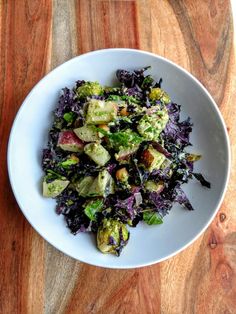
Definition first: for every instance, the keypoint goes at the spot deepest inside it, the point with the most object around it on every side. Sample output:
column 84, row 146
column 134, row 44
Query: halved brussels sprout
column 112, row 236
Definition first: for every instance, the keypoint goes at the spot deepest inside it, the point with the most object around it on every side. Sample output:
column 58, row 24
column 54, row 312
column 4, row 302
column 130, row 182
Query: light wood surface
column 38, row 35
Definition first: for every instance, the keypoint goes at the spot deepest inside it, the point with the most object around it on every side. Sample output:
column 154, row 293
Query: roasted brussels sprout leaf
column 92, row 208
column 152, row 218
column 193, row 157
column 88, row 89
column 112, row 236
column 72, row 160
column 69, row 117
column 202, row 180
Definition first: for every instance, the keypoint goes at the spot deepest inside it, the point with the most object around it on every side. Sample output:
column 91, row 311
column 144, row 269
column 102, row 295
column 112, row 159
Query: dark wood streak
column 61, row 271
column 64, row 36
column 222, row 217
column 209, row 57
column 213, row 241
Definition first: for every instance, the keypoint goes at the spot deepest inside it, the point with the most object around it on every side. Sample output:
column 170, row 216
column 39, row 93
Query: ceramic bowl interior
column 148, row 244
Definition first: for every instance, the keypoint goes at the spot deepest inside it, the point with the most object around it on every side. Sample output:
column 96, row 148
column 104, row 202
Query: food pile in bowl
column 117, row 156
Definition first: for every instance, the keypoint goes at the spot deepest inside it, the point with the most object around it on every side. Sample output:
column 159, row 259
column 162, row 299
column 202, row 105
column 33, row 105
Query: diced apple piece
column 103, row 185
column 153, row 186
column 87, row 133
column 100, row 112
column 124, row 154
column 83, row 186
column 70, row 142
column 152, row 159
column 97, row 153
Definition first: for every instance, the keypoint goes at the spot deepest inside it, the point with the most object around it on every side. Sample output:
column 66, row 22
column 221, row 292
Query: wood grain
column 209, row 47
column 61, row 271
column 106, row 24
column 160, row 33
column 64, row 35
column 198, row 35
column 25, row 35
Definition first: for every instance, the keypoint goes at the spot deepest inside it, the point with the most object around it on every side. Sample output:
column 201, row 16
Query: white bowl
column 148, row 244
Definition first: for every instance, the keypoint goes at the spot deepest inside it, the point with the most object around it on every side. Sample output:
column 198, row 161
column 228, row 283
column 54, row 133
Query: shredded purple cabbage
column 145, row 188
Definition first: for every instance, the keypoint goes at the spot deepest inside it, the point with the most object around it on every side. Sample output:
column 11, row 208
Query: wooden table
column 36, row 36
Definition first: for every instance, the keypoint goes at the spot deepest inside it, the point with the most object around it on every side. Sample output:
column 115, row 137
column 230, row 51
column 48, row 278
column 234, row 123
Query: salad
column 117, row 156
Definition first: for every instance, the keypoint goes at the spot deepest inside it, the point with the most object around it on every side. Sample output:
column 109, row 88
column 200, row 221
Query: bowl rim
column 216, row 108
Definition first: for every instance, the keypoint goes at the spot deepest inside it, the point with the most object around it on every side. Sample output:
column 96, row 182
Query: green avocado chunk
column 54, row 188
column 150, row 126
column 87, row 133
